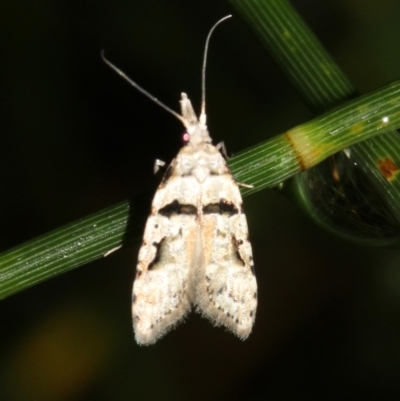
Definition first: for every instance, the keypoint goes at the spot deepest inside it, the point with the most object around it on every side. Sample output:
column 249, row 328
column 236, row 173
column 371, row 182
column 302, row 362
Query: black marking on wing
column 177, row 208
column 222, row 289
column 236, row 244
column 157, row 257
column 222, row 207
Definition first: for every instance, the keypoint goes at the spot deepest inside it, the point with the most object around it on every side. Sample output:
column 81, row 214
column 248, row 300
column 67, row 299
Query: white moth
column 195, row 251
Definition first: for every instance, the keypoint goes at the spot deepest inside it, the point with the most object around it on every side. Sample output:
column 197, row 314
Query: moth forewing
column 226, row 286
column 160, row 292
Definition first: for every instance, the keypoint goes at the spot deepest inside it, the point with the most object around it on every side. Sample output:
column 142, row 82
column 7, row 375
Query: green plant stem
column 264, row 165
column 302, row 147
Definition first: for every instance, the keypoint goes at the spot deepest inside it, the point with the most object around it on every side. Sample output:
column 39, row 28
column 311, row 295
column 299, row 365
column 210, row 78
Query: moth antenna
column 140, row 89
column 203, row 71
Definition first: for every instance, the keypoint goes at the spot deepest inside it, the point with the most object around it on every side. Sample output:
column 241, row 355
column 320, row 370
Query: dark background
column 75, row 138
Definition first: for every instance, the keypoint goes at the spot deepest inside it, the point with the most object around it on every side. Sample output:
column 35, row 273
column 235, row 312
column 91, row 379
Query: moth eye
column 185, row 138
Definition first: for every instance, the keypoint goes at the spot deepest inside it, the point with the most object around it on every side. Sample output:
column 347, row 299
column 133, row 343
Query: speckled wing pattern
column 195, row 251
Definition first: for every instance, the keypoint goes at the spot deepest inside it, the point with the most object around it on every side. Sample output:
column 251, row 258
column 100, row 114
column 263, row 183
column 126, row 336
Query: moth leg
column 157, row 164
column 222, row 148
column 243, row 185
column 112, row 251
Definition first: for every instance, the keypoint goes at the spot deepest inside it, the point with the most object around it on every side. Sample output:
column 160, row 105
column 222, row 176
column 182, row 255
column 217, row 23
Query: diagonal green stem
column 306, row 145
column 297, row 50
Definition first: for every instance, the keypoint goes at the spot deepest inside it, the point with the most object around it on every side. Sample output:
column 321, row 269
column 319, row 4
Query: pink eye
column 185, row 137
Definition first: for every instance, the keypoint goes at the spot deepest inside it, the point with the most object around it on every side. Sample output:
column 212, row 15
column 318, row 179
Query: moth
column 196, row 252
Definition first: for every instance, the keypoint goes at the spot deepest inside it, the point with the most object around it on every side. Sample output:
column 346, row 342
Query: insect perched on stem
column 196, row 251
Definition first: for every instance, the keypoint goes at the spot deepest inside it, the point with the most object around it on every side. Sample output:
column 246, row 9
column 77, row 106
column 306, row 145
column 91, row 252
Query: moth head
column 196, row 128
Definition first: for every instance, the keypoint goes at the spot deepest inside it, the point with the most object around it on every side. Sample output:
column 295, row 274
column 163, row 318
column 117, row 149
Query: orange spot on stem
column 388, row 168
column 295, row 151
